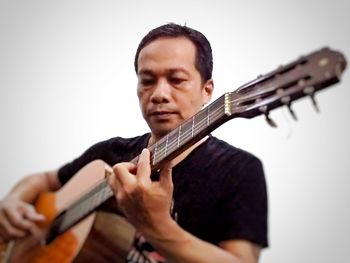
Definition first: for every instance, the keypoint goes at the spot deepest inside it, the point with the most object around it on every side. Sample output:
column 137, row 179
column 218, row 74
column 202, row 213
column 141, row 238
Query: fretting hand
column 145, row 203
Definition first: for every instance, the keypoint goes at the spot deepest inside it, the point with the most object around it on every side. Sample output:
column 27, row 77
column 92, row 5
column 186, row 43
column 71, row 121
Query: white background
column 67, row 81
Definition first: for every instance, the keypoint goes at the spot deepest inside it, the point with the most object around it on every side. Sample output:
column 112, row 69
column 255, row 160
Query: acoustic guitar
column 75, row 227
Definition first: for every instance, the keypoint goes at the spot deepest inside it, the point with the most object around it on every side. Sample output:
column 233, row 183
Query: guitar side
column 114, row 235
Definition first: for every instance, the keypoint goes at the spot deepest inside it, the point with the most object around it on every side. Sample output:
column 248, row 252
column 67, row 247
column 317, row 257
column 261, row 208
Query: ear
column 207, row 91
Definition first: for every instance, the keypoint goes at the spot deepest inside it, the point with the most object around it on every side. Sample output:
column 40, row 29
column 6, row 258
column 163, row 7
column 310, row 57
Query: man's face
column 170, row 88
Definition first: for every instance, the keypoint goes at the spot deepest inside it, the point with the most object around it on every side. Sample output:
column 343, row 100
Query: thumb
column 165, row 178
column 31, row 213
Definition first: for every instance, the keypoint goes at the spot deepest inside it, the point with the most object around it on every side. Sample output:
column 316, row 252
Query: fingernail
column 41, row 217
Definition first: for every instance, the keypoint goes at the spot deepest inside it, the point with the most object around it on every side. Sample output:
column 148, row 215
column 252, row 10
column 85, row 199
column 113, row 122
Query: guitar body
column 100, row 237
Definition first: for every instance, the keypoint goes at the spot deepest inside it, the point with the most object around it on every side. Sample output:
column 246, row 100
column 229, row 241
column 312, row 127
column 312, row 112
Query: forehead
column 167, row 53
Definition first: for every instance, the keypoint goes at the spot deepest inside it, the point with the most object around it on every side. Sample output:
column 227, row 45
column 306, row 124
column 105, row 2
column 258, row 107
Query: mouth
column 162, row 115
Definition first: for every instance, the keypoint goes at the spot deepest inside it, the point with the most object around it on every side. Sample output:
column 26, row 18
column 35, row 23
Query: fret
column 179, row 136
column 200, row 120
column 217, row 109
column 107, row 192
column 166, row 145
column 186, row 131
column 162, row 148
column 208, row 116
column 173, row 141
column 192, row 128
column 155, row 153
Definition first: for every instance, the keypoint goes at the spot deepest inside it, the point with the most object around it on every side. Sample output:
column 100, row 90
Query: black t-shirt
column 219, row 190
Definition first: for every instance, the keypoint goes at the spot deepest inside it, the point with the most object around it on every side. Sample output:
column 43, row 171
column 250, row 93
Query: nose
column 161, row 92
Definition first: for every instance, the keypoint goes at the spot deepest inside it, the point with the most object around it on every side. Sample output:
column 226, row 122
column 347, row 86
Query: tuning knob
column 287, row 101
column 314, row 103
column 291, row 111
column 270, row 121
column 311, row 92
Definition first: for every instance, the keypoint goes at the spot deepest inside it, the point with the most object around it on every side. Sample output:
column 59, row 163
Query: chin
column 160, row 132
column 162, row 128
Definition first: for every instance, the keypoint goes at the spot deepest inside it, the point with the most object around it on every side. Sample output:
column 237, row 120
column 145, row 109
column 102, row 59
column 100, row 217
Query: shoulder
column 228, row 153
column 121, row 143
column 224, row 164
column 233, row 165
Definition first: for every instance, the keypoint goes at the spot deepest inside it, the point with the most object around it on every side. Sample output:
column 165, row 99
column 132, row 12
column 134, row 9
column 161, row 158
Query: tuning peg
column 291, row 111
column 314, row 103
column 270, row 121
column 311, row 92
column 287, row 101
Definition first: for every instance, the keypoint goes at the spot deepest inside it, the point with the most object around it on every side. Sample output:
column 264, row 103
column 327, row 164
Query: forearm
column 18, row 217
column 177, row 245
column 30, row 186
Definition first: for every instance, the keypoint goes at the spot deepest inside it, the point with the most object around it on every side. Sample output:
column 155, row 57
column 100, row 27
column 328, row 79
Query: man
column 208, row 205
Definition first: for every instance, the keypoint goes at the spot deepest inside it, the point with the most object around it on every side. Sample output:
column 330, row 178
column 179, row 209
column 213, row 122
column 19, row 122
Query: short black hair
column 204, row 57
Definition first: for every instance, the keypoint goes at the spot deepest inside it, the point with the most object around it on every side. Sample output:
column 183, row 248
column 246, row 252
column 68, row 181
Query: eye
column 176, row 80
column 147, row 81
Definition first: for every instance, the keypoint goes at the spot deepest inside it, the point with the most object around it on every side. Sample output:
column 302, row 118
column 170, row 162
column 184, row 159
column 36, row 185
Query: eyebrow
column 145, row 72
column 168, row 71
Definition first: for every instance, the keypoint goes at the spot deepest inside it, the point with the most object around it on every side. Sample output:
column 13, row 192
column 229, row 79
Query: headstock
column 303, row 77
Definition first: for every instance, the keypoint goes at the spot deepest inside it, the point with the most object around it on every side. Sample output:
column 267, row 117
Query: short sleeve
column 111, row 151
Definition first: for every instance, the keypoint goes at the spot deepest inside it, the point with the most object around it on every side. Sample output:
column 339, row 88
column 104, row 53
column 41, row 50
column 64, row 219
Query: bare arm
column 146, row 204
column 177, row 245
column 30, row 186
column 17, row 214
